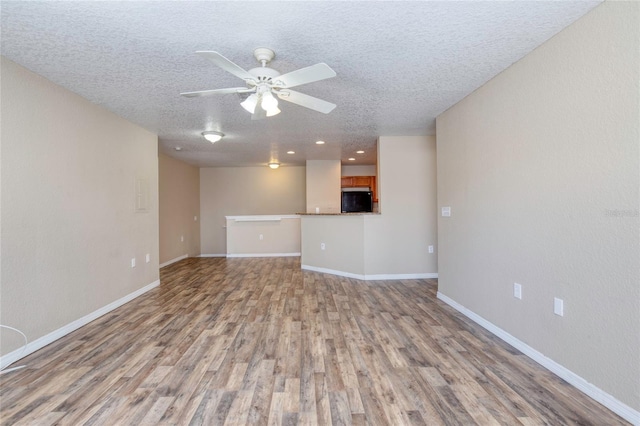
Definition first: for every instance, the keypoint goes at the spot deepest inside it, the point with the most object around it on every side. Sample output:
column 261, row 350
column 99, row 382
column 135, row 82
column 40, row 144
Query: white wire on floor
column 24, row 348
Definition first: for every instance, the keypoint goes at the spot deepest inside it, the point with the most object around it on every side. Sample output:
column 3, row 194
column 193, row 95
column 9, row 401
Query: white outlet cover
column 446, row 212
column 182, row 238
column 322, row 246
column 558, row 306
column 517, row 291
column 148, row 258
column 261, row 237
column 430, row 249
column 195, row 218
column 133, row 262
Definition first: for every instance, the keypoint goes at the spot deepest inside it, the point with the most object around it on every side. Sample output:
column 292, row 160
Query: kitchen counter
column 339, row 214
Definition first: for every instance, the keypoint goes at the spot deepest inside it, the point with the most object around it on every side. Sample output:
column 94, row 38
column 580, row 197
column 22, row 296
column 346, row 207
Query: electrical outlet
column 322, row 246
column 195, row 218
column 558, row 306
column 147, row 258
column 261, row 237
column 430, row 249
column 517, row 291
column 133, row 262
column 182, row 238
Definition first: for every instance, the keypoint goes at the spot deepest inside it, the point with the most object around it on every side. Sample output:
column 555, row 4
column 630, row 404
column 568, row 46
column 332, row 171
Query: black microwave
column 357, row 201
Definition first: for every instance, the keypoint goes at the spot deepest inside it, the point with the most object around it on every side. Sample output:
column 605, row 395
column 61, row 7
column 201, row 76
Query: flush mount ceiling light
column 212, row 136
column 320, row 143
column 274, row 165
column 359, row 152
column 267, row 85
column 291, row 152
column 352, row 159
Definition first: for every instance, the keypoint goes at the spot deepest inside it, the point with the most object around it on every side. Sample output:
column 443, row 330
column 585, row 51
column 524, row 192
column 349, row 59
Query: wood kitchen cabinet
column 360, row 182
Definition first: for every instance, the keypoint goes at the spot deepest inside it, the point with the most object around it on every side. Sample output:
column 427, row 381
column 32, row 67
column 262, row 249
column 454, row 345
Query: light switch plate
column 133, row 262
column 517, row 291
column 430, row 249
column 558, row 306
column 147, row 258
column 446, row 212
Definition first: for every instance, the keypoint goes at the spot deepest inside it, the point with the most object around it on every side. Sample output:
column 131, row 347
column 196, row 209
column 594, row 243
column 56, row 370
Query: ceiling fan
column 265, row 84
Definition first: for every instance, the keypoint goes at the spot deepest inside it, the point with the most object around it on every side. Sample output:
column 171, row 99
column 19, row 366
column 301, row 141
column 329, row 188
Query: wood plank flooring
column 259, row 341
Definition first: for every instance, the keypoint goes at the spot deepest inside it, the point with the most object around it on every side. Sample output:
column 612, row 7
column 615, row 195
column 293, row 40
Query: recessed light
column 212, row 136
column 352, row 159
column 291, row 152
column 359, row 152
column 178, row 148
column 320, row 143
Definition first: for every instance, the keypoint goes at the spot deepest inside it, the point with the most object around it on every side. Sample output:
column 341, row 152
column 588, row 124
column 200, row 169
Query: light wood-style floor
column 258, row 341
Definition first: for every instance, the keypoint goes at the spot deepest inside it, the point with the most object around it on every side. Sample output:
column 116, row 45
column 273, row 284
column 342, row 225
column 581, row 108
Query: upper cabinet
column 360, row 182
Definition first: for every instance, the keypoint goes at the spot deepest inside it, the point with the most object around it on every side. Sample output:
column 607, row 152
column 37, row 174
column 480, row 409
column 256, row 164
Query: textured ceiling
column 398, row 65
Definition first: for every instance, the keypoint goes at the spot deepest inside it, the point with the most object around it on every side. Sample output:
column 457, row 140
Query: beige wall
column 541, row 169
column 235, row 191
column 179, row 194
column 343, row 238
column 69, row 229
column 255, row 236
column 367, row 170
column 394, row 243
column 397, row 241
column 323, row 186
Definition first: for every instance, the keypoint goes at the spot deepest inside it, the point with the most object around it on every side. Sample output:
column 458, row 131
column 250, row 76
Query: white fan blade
column 306, row 75
column 226, row 64
column 217, row 92
column 306, row 101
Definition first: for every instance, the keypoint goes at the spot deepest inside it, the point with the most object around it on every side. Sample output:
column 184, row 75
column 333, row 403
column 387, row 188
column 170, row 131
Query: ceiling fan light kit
column 266, row 85
column 250, row 103
column 212, row 136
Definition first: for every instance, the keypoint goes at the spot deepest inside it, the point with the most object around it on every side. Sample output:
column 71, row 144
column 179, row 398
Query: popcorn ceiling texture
column 399, row 64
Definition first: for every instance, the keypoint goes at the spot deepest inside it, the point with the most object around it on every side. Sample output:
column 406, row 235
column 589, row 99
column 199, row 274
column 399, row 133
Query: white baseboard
column 370, row 277
column 332, row 272
column 43, row 341
column 264, row 255
column 177, row 259
column 212, row 255
column 578, row 382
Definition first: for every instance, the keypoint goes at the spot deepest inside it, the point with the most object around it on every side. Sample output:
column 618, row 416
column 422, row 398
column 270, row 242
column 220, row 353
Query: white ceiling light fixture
column 352, row 159
column 274, row 165
column 250, row 103
column 212, row 136
column 360, row 152
column 270, row 104
column 320, row 143
column 291, row 152
column 265, row 84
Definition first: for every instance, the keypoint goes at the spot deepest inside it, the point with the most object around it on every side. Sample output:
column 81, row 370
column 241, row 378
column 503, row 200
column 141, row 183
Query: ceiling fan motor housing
column 264, row 54
column 264, row 73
